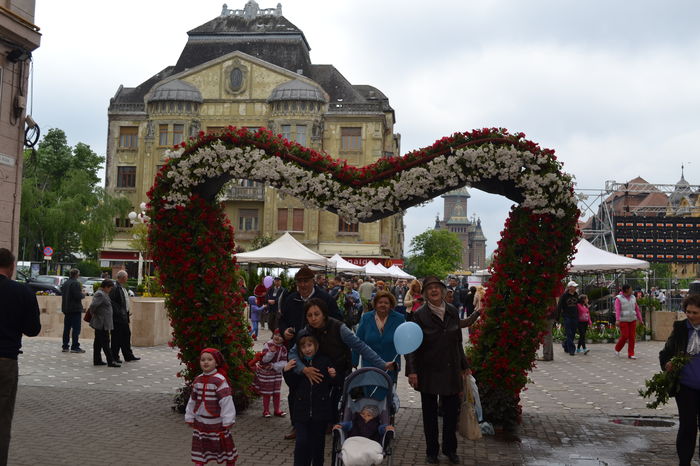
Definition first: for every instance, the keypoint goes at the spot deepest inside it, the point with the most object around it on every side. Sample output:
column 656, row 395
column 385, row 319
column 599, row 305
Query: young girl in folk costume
column 268, row 373
column 211, row 413
column 584, row 320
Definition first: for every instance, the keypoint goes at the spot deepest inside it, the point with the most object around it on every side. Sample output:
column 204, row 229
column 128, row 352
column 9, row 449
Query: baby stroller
column 365, row 387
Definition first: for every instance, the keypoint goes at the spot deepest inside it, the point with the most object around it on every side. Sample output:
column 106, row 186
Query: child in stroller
column 364, row 434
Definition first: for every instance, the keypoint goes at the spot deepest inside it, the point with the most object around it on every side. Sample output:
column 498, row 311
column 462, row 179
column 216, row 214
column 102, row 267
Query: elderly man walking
column 72, row 308
column 121, row 312
column 19, row 314
column 568, row 309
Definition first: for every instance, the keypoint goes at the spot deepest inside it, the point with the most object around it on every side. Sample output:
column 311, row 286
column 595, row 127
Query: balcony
column 243, row 193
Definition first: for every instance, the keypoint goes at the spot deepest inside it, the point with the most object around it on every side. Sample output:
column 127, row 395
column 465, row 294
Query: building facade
column 469, row 231
column 18, row 38
column 251, row 68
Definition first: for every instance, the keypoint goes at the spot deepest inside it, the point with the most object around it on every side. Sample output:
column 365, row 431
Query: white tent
column 341, row 265
column 373, row 270
column 590, row 259
column 285, row 251
column 396, row 272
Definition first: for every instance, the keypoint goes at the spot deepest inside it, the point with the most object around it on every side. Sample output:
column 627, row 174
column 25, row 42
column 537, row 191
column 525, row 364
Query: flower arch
column 191, row 239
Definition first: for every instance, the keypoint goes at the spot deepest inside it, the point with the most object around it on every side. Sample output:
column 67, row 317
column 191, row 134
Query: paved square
column 70, row 412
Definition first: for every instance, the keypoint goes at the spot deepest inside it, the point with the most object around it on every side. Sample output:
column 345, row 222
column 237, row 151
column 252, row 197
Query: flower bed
column 192, row 241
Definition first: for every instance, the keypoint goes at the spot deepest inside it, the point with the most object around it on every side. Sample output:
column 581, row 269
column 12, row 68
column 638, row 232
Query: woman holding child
column 436, row 368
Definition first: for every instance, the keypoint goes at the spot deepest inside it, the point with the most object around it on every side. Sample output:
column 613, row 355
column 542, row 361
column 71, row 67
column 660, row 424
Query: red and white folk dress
column 268, row 372
column 211, row 412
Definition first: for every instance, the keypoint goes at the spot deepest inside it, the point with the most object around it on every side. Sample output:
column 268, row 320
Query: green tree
column 434, row 252
column 62, row 204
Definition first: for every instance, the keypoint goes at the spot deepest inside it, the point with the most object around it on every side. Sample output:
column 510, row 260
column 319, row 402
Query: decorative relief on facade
column 236, row 77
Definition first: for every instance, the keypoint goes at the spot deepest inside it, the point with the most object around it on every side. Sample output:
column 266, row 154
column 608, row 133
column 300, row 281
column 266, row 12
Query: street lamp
column 142, row 219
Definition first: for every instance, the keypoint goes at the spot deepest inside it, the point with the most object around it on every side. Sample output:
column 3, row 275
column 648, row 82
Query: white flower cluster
column 543, row 191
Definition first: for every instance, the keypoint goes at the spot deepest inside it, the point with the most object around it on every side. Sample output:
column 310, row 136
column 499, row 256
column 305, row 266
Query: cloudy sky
column 613, row 86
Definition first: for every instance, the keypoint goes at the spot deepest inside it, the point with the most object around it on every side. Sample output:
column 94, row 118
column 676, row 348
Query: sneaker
column 632, row 357
column 586, row 351
column 578, row 350
column 267, row 414
column 617, row 353
column 79, row 350
column 280, row 414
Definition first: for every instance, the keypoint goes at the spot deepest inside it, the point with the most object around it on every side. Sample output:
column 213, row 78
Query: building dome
column 176, row 90
column 297, row 90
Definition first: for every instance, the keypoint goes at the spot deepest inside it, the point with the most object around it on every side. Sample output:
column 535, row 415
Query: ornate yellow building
column 251, row 68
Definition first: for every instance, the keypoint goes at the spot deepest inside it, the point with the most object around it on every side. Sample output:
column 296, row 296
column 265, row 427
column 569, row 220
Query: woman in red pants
column 627, row 314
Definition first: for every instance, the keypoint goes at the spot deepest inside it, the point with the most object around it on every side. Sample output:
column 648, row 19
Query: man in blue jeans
column 569, row 311
column 72, row 308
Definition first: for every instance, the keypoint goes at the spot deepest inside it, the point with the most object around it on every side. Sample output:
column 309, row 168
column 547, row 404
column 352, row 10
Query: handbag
column 88, row 315
column 468, row 424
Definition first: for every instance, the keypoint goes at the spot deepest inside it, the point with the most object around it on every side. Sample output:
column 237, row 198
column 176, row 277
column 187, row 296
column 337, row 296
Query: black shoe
column 454, row 459
column 431, row 459
column 101, row 363
column 133, row 358
column 79, row 350
column 118, row 361
column 65, row 350
column 114, row 364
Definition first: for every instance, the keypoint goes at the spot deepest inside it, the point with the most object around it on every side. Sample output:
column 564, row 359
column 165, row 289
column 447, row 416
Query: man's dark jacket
column 567, row 306
column 19, row 314
column 440, row 360
column 119, row 312
column 72, row 296
column 293, row 310
column 272, row 294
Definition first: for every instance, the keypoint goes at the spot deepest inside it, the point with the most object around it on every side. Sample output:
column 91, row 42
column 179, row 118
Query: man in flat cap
column 274, row 295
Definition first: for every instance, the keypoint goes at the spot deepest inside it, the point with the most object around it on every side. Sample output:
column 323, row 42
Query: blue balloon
column 407, row 337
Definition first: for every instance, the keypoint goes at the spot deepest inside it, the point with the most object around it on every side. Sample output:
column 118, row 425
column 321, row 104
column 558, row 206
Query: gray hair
column 122, row 273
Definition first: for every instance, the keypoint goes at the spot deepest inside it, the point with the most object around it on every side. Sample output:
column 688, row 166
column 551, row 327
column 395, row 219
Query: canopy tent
column 373, row 270
column 341, row 265
column 285, row 251
column 396, row 272
column 590, row 259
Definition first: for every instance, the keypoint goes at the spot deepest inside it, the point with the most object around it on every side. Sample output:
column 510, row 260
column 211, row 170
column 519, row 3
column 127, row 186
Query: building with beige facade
column 18, row 38
column 251, row 68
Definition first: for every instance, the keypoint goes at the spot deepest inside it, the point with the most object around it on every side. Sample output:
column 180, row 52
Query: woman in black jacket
column 436, row 369
column 685, row 339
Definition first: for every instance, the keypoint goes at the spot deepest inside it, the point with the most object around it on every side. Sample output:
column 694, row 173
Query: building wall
column 249, row 107
column 19, row 37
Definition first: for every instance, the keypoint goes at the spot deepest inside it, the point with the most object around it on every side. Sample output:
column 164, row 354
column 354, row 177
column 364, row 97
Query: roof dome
column 176, row 90
column 296, row 90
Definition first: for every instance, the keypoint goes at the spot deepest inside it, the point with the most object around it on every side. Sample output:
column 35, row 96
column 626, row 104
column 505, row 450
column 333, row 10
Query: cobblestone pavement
column 578, row 410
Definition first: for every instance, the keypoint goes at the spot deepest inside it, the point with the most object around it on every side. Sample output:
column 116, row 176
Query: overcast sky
column 612, row 86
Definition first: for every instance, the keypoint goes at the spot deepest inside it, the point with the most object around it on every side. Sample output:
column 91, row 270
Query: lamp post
column 136, row 219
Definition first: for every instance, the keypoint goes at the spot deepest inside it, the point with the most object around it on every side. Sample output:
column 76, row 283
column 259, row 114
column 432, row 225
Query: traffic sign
column 47, row 258
column 48, row 251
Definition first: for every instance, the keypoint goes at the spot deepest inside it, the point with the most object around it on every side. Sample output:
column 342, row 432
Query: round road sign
column 48, row 251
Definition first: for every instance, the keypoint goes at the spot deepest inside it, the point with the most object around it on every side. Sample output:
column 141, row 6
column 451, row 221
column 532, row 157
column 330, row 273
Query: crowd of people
column 321, row 332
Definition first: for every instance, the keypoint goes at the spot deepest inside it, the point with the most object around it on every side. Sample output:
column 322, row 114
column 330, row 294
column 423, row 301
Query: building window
column 301, row 134
column 282, row 218
column 128, row 137
column 162, row 135
column 298, row 220
column 287, row 132
column 345, row 227
column 122, row 222
column 248, row 220
column 126, row 177
column 178, row 134
column 351, row 139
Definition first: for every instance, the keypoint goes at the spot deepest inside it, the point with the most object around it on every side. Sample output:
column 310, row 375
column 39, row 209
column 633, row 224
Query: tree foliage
column 62, row 204
column 434, row 252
